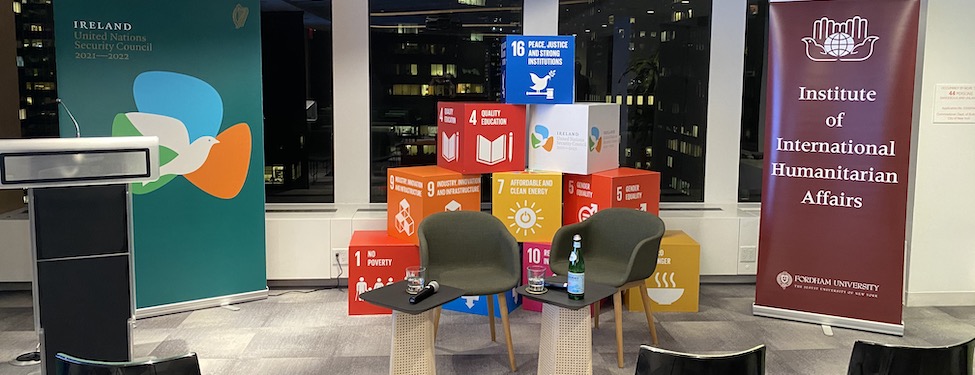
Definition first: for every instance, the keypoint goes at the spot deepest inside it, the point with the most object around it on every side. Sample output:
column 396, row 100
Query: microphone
column 77, row 130
column 427, row 291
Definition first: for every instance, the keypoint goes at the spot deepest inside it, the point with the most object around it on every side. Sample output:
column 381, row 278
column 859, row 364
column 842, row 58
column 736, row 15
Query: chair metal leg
column 490, row 306
column 618, row 309
column 503, row 305
column 436, row 322
column 595, row 313
column 646, row 309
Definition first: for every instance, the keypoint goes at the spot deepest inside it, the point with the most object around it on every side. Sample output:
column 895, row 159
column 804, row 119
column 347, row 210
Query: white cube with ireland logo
column 580, row 138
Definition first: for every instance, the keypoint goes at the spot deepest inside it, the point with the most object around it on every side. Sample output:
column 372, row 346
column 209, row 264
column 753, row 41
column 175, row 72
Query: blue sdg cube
column 538, row 69
column 478, row 304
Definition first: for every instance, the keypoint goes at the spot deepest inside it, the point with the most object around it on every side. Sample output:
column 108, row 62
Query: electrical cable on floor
column 297, row 291
column 338, row 263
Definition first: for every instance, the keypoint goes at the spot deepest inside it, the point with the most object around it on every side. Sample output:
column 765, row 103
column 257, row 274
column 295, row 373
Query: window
column 458, row 53
column 298, row 124
column 660, row 84
column 17, row 10
column 752, row 107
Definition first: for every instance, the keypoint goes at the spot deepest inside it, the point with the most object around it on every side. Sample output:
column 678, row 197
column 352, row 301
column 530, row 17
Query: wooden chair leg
column 646, row 309
column 618, row 309
column 490, row 307
column 595, row 313
column 436, row 322
column 503, row 305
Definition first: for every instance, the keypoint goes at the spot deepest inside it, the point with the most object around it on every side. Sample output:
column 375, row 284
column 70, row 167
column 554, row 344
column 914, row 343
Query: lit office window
column 655, row 64
column 299, row 161
column 17, row 7
column 459, row 55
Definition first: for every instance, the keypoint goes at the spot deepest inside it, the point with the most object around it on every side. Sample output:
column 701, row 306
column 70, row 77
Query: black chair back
column 656, row 361
column 187, row 364
column 869, row 358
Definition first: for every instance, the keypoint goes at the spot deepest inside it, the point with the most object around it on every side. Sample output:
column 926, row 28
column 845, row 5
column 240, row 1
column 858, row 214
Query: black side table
column 412, row 347
column 565, row 346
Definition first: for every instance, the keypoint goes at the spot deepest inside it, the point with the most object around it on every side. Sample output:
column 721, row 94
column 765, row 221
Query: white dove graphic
column 173, row 135
column 539, row 83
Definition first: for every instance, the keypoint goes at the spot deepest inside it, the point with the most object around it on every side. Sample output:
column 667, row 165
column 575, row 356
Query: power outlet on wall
column 342, row 255
column 747, row 254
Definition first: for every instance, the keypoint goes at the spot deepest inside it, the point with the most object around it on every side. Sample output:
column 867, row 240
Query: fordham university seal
column 784, row 279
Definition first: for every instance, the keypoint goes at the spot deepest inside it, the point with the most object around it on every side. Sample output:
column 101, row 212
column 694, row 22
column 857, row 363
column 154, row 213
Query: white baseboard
column 914, row 299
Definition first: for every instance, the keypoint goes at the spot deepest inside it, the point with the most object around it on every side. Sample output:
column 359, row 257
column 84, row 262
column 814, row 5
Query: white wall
column 941, row 246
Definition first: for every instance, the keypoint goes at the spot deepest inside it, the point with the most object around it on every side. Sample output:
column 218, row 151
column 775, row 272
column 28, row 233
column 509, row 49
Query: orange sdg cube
column 417, row 192
column 620, row 187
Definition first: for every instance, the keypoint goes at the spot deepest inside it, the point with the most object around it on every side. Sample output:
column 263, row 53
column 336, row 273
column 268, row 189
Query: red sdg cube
column 376, row 260
column 480, row 137
column 621, row 187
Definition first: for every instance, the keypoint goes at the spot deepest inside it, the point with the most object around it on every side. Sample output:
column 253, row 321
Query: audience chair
column 620, row 247
column 870, row 358
column 656, row 361
column 472, row 251
column 187, row 364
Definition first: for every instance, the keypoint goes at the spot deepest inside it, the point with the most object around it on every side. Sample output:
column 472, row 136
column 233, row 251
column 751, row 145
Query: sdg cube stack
column 571, row 151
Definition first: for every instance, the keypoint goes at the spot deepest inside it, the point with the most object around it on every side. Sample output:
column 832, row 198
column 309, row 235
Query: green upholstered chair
column 472, row 251
column 187, row 364
column 620, row 247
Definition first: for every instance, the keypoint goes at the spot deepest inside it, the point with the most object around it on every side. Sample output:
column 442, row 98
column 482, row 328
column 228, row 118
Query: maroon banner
column 838, row 137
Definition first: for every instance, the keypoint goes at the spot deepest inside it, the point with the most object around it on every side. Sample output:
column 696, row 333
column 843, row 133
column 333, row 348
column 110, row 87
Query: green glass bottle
column 577, row 271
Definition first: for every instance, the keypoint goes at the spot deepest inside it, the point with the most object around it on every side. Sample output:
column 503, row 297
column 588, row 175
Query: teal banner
column 188, row 72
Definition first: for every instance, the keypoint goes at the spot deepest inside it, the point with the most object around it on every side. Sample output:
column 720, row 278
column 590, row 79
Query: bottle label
column 577, row 283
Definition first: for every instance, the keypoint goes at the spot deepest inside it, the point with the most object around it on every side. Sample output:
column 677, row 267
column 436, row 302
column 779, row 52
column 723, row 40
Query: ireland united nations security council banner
column 188, row 72
column 834, row 199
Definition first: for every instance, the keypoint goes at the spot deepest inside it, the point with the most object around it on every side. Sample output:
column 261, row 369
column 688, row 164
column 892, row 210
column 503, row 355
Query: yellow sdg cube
column 676, row 282
column 528, row 203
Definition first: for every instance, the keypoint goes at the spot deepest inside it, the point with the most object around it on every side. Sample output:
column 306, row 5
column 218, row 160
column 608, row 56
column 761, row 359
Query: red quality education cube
column 376, row 260
column 480, row 137
column 620, row 187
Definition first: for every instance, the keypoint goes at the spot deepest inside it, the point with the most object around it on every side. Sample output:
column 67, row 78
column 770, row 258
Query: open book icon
column 448, row 146
column 496, row 151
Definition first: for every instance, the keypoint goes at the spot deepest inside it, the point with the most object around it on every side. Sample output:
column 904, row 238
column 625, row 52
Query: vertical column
column 9, row 98
column 350, row 64
column 724, row 101
column 541, row 17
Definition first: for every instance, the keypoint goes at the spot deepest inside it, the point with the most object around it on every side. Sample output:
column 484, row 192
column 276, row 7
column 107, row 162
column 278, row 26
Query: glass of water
column 415, row 277
column 536, row 279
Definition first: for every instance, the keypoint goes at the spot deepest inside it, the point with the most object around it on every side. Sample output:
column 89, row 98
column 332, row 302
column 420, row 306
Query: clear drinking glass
column 415, row 278
column 536, row 279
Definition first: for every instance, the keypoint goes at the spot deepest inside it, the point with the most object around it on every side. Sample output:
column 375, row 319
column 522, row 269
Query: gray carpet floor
column 302, row 332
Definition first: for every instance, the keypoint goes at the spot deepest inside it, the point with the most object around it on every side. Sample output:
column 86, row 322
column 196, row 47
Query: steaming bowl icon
column 669, row 293
column 665, row 296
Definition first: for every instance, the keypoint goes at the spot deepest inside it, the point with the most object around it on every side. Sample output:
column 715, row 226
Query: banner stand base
column 148, row 312
column 835, row 321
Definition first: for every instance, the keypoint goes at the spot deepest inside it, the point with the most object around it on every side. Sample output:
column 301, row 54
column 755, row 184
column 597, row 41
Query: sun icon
column 525, row 217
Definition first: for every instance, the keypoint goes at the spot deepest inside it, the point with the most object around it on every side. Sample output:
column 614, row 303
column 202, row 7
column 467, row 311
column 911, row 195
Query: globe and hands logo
column 840, row 41
column 540, row 137
column 595, row 140
column 186, row 114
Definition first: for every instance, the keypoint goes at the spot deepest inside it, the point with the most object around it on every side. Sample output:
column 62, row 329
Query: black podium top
column 560, row 297
column 395, row 297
